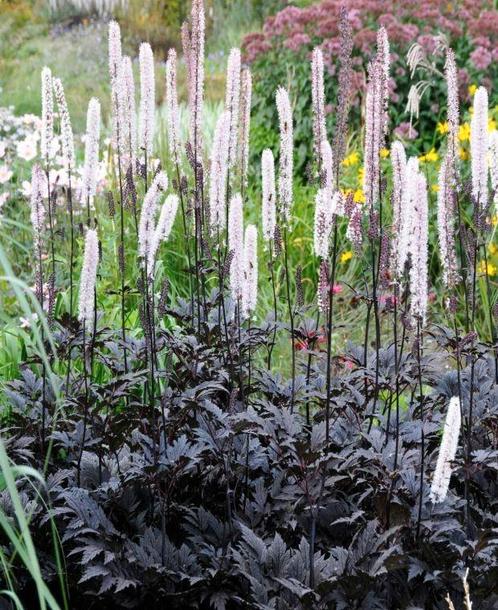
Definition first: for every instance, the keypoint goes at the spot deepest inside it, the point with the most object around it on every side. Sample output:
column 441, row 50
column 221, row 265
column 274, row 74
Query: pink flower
column 406, row 131
column 298, row 40
column 336, row 289
column 427, row 42
column 481, row 58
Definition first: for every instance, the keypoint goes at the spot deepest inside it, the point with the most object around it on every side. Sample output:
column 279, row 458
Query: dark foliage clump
column 224, row 498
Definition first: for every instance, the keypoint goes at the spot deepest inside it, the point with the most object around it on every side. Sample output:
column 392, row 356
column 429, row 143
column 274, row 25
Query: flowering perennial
column 88, row 279
column 447, row 452
column 147, row 97
column 66, row 129
column 232, row 97
column 285, row 177
column 268, row 207
column 47, row 122
column 219, row 172
column 89, row 178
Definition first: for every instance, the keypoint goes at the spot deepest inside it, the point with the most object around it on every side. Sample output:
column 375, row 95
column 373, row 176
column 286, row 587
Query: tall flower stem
column 121, row 254
column 291, row 319
column 472, row 375
column 222, row 308
column 422, row 433
column 50, row 220
column 330, row 314
column 71, row 272
column 271, row 345
column 375, row 304
column 308, row 368
column 396, row 373
column 85, row 406
column 185, row 231
column 71, row 247
column 463, row 267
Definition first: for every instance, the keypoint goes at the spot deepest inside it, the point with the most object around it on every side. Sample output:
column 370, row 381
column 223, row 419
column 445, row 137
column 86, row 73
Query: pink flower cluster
column 301, row 29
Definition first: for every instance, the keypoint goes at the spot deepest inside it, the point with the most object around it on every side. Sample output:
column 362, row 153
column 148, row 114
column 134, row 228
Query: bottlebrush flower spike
column 398, row 163
column 66, row 129
column 114, row 51
column 446, row 221
column 173, row 113
column 376, row 117
column 193, row 43
column 245, row 112
column 406, row 216
column 450, row 71
column 162, row 230
column 88, row 279
column 268, row 209
column 38, row 187
column 343, row 86
column 47, row 119
column 323, row 223
column 147, row 97
column 146, row 225
column 89, row 178
column 219, row 173
column 114, row 73
column 384, row 59
column 327, row 166
column 374, row 124
column 286, row 165
column 318, row 102
column 250, row 288
column 419, row 252
column 236, row 245
column 232, row 99
column 354, row 231
column 447, row 452
column 479, row 148
column 128, row 113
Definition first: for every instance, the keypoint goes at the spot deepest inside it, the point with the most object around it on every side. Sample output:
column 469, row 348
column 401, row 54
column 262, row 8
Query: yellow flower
column 443, row 128
column 464, row 132
column 490, row 269
column 361, row 174
column 494, row 220
column 472, row 89
column 464, row 154
column 493, row 248
column 351, row 159
column 359, row 196
column 430, row 157
column 384, row 153
column 346, row 256
column 435, row 188
column 491, row 125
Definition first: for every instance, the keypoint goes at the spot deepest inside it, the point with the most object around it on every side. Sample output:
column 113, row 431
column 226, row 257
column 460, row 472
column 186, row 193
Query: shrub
column 280, row 54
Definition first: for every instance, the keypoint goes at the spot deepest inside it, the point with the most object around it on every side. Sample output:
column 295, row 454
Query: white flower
column 447, row 452
column 5, row 174
column 26, row 322
column 88, row 278
column 26, row 188
column 3, row 199
column 26, row 149
column 3, row 147
column 54, row 147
